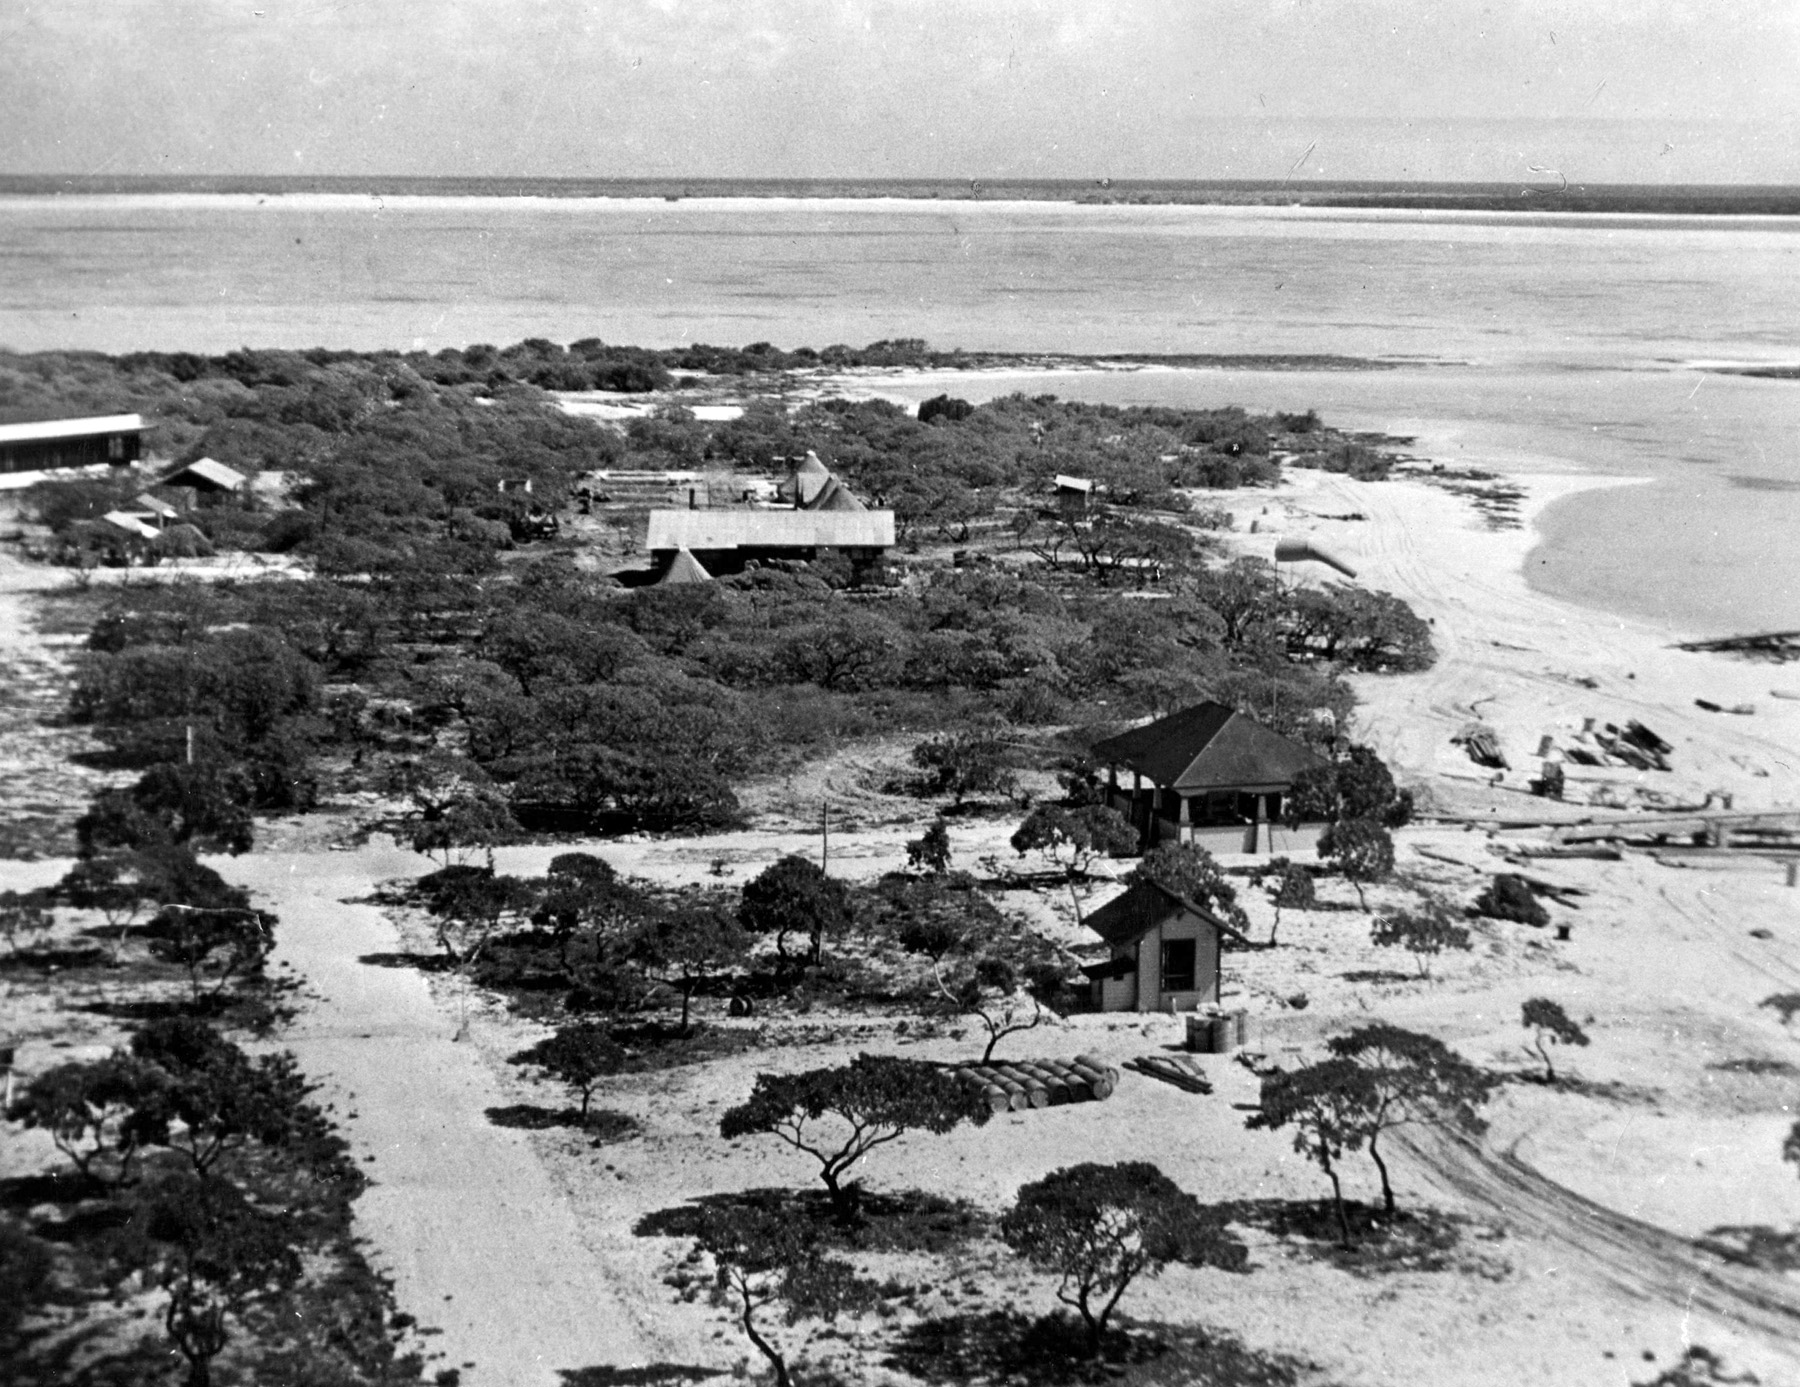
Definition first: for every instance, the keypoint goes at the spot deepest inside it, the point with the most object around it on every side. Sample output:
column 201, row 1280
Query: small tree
column 1356, row 786
column 878, row 1098
column 1423, row 933
column 1410, row 1078
column 579, row 1056
column 583, row 892
column 23, row 913
column 216, row 1255
column 761, row 1257
column 223, row 1098
column 1099, row 1227
column 99, row 1114
column 1510, row 897
column 991, row 991
column 468, row 914
column 964, row 764
column 214, row 945
column 930, row 852
column 1549, row 1025
column 1290, row 887
column 1328, row 1105
column 1363, row 851
column 794, row 896
column 115, row 885
column 686, row 944
column 1074, row 839
column 1192, row 872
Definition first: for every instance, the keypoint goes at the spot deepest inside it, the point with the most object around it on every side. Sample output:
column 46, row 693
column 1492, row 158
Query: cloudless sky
column 1602, row 90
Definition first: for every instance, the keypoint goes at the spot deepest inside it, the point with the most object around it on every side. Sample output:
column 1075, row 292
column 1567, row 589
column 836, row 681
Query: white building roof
column 769, row 529
column 131, row 524
column 90, row 427
column 212, row 470
column 1073, row 483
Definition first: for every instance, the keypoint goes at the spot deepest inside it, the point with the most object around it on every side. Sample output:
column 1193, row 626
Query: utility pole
column 190, row 743
column 825, row 835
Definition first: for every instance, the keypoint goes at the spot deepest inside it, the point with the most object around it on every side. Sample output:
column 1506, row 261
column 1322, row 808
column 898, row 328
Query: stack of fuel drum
column 1015, row 1085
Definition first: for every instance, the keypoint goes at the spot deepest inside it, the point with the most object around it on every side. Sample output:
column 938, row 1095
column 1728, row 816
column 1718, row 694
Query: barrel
column 1078, row 1089
column 1199, row 1035
column 1243, row 1027
column 1099, row 1083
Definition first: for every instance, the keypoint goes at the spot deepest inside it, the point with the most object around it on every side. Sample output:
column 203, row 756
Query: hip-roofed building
column 1207, row 775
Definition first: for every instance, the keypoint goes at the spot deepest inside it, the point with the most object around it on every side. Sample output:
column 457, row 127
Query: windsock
column 1300, row 550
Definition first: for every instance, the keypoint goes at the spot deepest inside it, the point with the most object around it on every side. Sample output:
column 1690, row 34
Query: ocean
column 1513, row 339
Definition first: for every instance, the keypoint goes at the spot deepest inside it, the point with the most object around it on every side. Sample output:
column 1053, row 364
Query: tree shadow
column 649, row 1375
column 424, row 963
column 1753, row 1065
column 883, row 1221
column 1007, row 1347
column 43, row 960
column 1755, row 1245
column 603, row 1124
column 1378, row 975
column 1413, row 1240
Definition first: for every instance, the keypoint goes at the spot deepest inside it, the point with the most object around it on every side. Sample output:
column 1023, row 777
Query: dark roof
column 1207, row 747
column 1127, row 918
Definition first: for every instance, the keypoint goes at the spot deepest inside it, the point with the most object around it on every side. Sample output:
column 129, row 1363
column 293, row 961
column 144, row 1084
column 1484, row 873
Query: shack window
column 1178, row 965
column 115, row 447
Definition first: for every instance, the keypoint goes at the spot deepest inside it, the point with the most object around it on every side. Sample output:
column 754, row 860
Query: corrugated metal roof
column 89, row 427
column 211, row 470
column 1207, row 747
column 1127, row 918
column 769, row 529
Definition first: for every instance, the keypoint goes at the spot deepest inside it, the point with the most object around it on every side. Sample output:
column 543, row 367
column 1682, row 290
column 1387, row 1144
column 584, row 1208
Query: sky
column 1599, row 91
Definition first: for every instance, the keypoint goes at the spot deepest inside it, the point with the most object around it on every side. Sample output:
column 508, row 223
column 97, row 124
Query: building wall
column 1290, row 842
column 43, row 454
column 1142, row 991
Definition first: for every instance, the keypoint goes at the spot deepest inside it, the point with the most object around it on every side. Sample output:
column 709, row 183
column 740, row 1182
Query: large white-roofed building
column 48, row 444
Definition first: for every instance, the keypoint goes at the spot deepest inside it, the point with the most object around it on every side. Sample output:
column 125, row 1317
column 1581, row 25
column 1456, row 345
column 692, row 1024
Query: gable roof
column 90, row 427
column 209, row 470
column 1127, row 918
column 1067, row 483
column 1208, row 747
column 704, row 530
column 684, row 568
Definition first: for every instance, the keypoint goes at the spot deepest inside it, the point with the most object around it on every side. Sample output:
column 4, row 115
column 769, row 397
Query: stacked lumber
column 1181, row 1070
column 1018, row 1085
column 1483, row 747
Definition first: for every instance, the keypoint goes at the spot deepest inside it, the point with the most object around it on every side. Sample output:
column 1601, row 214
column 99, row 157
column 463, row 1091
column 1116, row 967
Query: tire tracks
column 1644, row 1261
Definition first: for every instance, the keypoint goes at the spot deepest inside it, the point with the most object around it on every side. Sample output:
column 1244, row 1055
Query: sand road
column 461, row 1214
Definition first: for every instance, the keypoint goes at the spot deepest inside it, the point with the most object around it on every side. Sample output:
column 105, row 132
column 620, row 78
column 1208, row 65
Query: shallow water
column 1571, row 329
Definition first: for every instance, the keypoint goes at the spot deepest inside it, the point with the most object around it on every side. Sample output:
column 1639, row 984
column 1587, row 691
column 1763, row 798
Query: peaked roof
column 1127, row 918
column 835, row 496
column 1208, row 747
column 684, row 568
column 810, row 477
column 209, row 470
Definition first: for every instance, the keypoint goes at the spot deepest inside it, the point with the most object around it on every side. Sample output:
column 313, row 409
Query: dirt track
column 462, row 1214
column 1638, row 1258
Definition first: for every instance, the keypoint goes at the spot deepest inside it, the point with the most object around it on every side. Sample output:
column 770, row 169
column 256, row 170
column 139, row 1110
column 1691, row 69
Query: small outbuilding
column 208, row 480
column 1165, row 951
column 1211, row 776
column 1074, row 494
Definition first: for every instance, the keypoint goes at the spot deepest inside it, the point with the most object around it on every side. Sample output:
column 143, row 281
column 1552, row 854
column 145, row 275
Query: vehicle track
column 1640, row 1259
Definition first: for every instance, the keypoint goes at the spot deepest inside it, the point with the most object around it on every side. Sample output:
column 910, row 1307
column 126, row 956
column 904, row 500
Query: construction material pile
column 1015, row 1085
column 1181, row 1070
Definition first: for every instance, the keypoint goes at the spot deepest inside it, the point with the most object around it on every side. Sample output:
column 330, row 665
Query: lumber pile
column 1482, row 745
column 1181, row 1070
column 1016, row 1085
